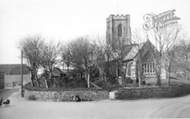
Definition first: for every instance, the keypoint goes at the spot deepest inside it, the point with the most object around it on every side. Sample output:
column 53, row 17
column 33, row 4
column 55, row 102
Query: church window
column 129, row 68
column 153, row 65
column 148, row 68
column 120, row 30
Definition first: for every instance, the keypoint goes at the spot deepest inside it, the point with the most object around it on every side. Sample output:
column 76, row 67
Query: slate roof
column 57, row 71
column 13, row 69
column 133, row 50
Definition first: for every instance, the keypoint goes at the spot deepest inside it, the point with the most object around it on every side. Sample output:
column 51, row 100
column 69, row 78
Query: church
column 137, row 59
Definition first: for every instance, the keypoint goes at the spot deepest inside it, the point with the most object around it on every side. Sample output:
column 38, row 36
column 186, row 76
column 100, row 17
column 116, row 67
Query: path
column 5, row 93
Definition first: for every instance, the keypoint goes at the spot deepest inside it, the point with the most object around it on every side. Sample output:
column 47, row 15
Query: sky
column 64, row 20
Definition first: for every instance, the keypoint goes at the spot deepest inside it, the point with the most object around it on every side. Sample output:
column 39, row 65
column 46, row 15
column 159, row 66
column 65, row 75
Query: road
column 5, row 93
column 108, row 109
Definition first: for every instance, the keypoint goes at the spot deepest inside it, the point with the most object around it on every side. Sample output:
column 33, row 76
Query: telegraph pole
column 21, row 83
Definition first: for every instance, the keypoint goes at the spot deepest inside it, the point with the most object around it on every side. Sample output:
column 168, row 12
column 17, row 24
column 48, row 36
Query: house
column 57, row 72
column 137, row 59
column 2, row 80
column 12, row 74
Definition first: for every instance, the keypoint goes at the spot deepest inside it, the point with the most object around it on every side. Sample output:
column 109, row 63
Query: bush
column 32, row 97
column 30, row 88
column 128, row 80
column 152, row 92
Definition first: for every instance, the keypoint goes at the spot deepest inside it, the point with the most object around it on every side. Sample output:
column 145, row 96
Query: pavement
column 21, row 108
column 5, row 93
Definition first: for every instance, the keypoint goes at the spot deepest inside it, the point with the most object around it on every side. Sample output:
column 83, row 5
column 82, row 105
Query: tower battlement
column 118, row 17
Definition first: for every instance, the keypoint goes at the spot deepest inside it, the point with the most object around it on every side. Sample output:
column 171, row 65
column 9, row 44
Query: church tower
column 118, row 29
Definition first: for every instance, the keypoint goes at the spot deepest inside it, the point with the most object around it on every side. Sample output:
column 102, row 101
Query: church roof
column 134, row 50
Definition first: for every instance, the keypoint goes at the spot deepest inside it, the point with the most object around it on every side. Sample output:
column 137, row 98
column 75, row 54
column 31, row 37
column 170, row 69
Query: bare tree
column 66, row 56
column 32, row 47
column 169, row 60
column 138, row 39
column 100, row 56
column 82, row 55
column 49, row 59
column 164, row 40
column 116, row 52
column 182, row 56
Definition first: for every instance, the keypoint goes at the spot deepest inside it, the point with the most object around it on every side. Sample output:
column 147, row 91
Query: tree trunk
column 116, row 72
column 32, row 83
column 33, row 78
column 168, row 78
column 50, row 77
column 158, row 81
column 87, row 77
column 88, row 80
column 158, row 72
column 102, row 74
column 68, row 69
column 139, row 77
column 169, row 69
column 188, row 76
column 36, row 79
column 46, row 84
column 140, row 73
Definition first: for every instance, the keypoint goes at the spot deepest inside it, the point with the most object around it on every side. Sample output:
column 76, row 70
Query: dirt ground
column 107, row 109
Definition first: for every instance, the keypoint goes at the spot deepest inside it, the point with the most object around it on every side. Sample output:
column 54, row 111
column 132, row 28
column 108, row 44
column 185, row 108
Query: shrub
column 32, row 97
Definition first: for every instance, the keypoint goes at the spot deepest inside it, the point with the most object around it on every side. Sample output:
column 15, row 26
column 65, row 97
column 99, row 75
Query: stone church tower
column 118, row 29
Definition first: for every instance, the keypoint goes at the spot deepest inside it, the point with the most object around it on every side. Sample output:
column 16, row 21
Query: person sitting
column 6, row 102
column 1, row 102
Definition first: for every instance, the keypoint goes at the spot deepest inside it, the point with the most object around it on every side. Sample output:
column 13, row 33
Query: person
column 1, row 102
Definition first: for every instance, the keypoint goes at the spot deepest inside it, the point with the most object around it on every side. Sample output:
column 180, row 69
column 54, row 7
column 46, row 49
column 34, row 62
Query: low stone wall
column 89, row 95
column 151, row 92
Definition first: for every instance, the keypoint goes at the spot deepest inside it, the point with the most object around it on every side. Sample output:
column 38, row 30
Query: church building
column 137, row 59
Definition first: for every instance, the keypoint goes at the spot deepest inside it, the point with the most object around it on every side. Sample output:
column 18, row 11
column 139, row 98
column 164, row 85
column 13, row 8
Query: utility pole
column 22, row 93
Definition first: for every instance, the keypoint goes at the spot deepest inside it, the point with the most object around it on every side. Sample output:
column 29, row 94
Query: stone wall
column 151, row 92
column 89, row 95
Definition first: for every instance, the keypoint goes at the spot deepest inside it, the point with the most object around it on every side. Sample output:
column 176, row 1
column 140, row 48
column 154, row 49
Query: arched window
column 119, row 30
column 129, row 68
column 148, row 68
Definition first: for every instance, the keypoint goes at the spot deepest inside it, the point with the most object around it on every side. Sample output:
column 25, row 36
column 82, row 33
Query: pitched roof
column 13, row 69
column 144, row 47
column 57, row 71
column 133, row 52
column 126, row 50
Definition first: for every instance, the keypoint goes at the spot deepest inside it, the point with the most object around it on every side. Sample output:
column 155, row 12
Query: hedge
column 152, row 92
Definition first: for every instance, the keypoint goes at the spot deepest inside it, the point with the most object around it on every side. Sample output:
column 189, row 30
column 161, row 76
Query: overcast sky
column 65, row 20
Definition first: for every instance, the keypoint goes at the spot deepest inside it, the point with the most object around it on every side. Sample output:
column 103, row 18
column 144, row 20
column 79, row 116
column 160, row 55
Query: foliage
column 32, row 97
column 30, row 88
column 152, row 92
